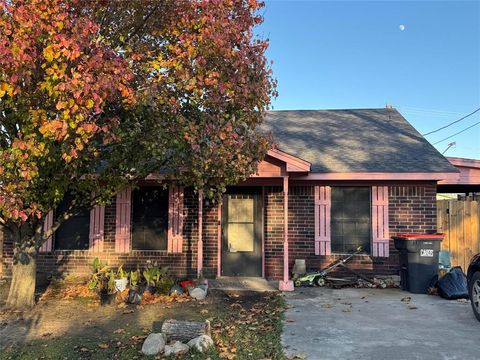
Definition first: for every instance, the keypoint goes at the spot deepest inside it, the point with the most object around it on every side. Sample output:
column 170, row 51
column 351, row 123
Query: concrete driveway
column 324, row 324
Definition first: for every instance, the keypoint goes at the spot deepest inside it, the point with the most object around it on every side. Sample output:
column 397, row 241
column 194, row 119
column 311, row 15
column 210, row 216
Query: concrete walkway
column 226, row 283
column 325, row 324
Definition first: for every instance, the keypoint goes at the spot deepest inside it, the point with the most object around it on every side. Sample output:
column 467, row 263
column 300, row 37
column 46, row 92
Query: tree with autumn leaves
column 94, row 94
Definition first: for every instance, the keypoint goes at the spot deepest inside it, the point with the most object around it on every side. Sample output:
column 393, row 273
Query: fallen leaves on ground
column 233, row 333
column 138, row 339
column 64, row 291
column 149, row 298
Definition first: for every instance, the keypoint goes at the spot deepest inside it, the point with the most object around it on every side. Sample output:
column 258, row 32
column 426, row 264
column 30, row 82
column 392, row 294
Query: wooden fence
column 460, row 222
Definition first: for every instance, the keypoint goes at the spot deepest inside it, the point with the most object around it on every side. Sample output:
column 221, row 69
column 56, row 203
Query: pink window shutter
column 97, row 220
column 380, row 233
column 322, row 220
column 122, row 222
column 47, row 246
column 175, row 219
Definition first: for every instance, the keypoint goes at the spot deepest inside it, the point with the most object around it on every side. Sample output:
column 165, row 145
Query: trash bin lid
column 420, row 236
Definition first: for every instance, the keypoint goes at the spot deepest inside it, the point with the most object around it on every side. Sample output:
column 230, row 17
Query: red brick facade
column 412, row 208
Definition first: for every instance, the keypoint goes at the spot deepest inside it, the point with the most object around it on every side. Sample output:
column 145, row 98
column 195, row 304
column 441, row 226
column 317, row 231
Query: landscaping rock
column 202, row 343
column 177, row 348
column 154, row 344
column 198, row 294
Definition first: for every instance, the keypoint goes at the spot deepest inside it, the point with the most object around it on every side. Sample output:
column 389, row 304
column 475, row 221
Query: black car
column 473, row 278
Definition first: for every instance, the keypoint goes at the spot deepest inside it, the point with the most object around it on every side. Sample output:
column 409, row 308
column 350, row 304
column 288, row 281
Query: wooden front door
column 242, row 234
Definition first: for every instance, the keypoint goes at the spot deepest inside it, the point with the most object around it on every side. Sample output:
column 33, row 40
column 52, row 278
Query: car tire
column 474, row 292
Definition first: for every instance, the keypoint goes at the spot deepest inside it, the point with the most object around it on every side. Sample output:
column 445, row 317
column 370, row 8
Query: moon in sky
column 402, row 27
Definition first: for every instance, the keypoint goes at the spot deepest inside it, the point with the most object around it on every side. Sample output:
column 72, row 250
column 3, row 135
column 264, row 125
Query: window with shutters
column 73, row 234
column 350, row 219
column 149, row 218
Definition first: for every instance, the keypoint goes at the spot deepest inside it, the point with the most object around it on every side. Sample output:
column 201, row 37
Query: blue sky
column 352, row 54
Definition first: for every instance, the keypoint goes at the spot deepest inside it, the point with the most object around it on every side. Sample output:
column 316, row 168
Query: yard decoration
column 183, row 330
column 121, row 279
column 93, row 94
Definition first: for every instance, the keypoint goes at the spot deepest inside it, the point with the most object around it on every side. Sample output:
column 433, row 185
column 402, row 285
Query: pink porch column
column 285, row 284
column 219, row 239
column 200, row 235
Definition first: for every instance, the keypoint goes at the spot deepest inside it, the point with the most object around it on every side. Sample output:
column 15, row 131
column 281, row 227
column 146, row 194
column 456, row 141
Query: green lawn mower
column 320, row 278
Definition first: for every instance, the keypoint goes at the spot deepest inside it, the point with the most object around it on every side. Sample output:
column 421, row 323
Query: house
column 335, row 180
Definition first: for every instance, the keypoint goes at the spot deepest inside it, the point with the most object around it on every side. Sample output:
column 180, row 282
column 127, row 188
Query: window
column 73, row 234
column 351, row 219
column 149, row 218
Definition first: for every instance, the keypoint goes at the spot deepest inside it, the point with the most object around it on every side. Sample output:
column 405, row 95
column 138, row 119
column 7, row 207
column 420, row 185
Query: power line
column 454, row 122
column 430, row 111
column 468, row 128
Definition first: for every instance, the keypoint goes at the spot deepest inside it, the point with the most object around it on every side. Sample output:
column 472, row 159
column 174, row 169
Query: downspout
column 285, row 284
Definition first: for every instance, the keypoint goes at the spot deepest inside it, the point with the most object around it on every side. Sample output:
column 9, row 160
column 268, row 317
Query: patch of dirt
column 54, row 318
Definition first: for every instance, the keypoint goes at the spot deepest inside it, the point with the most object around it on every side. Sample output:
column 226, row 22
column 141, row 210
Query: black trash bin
column 418, row 260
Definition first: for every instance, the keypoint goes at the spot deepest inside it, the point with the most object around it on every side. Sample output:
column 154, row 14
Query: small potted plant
column 107, row 288
column 134, row 295
column 164, row 281
column 151, row 275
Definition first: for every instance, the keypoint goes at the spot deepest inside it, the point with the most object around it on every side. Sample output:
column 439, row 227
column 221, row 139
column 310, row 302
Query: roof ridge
column 349, row 109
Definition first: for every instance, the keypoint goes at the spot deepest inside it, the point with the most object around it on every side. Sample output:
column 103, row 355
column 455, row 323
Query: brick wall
column 7, row 258
column 273, row 232
column 412, row 209
column 78, row 262
column 1, row 253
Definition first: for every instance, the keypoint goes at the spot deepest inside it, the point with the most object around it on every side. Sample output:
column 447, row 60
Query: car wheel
column 475, row 294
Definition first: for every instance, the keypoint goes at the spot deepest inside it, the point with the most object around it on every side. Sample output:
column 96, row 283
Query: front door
column 242, row 234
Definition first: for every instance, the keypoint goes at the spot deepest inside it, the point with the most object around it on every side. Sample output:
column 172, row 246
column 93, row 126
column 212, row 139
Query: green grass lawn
column 243, row 327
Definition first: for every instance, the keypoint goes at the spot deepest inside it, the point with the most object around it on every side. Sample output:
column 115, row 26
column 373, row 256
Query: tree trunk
column 2, row 239
column 24, row 269
column 184, row 331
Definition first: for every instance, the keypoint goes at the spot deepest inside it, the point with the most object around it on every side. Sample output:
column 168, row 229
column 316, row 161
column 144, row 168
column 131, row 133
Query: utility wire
column 415, row 109
column 454, row 122
column 468, row 128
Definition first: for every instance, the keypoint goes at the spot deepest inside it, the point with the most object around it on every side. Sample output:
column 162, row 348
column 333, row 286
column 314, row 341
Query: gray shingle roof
column 364, row 140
